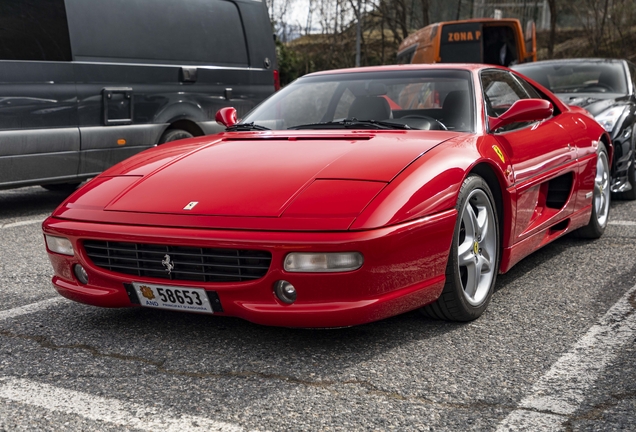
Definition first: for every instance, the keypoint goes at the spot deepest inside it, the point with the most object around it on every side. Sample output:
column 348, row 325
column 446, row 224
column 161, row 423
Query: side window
column 34, row 30
column 529, row 89
column 208, row 32
column 501, row 90
column 406, row 56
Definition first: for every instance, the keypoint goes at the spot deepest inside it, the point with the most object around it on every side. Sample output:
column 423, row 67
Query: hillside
column 575, row 43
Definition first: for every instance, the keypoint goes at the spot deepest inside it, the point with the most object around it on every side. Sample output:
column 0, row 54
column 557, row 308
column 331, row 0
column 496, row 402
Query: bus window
column 461, row 43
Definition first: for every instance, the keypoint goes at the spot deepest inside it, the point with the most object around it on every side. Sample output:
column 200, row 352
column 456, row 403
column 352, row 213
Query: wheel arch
column 489, row 174
column 186, row 125
column 182, row 115
column 607, row 141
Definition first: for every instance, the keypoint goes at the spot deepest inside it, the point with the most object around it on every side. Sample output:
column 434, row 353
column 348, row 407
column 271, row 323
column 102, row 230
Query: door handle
column 188, row 75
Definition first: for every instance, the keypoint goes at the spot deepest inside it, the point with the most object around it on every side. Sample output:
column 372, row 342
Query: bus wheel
column 173, row 135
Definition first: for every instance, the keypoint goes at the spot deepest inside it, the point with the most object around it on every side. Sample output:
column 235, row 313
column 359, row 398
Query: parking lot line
column 560, row 392
column 30, row 308
column 21, row 223
column 622, row 222
column 114, row 411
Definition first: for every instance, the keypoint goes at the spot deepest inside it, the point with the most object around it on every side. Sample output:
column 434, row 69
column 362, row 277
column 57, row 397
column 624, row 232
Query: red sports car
column 347, row 197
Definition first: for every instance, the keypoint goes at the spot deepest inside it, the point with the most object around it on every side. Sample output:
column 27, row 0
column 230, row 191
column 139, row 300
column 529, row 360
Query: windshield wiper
column 352, row 123
column 242, row 127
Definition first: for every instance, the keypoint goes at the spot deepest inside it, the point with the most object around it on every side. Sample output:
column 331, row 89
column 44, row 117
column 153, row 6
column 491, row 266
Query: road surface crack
column 328, row 385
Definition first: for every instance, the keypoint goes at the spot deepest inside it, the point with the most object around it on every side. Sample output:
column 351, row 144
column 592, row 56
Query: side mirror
column 523, row 110
column 226, row 117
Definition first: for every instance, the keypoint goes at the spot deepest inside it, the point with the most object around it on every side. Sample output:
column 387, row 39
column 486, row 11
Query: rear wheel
column 600, row 200
column 474, row 256
column 173, row 135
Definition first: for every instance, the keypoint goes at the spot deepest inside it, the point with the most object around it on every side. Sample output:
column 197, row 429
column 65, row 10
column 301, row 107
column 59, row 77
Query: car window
column 439, row 99
column 532, row 92
column 303, row 104
column 501, row 90
column 578, row 76
column 406, row 56
column 34, row 30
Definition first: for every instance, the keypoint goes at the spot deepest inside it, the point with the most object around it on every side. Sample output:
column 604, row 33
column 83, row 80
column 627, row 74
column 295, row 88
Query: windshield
column 578, row 77
column 371, row 100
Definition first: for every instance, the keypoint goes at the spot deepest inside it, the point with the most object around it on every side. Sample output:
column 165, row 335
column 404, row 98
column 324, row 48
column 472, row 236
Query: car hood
column 257, row 175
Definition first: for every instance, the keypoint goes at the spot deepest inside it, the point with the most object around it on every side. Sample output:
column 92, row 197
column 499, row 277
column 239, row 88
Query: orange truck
column 482, row 40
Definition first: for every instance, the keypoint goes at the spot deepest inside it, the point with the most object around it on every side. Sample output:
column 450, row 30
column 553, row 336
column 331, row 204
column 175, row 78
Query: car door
column 541, row 154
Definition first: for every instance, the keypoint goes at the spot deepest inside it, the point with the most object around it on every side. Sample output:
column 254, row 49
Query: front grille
column 190, row 263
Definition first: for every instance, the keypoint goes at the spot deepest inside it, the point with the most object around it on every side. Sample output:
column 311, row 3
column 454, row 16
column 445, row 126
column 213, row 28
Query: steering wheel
column 431, row 120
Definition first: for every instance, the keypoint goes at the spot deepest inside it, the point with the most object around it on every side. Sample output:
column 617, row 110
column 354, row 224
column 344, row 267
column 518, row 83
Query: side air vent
column 559, row 191
column 560, row 226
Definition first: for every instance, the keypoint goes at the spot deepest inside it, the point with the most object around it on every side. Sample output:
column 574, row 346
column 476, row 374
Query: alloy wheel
column 477, row 247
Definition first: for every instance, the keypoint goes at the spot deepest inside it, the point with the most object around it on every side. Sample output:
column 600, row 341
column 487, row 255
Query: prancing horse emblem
column 167, row 263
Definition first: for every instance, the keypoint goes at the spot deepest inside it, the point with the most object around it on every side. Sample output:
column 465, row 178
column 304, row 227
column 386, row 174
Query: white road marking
column 560, row 392
column 21, row 223
column 622, row 222
column 30, row 308
column 109, row 410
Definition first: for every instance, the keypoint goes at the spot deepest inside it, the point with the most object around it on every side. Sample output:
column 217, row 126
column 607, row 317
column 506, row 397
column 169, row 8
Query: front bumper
column 403, row 269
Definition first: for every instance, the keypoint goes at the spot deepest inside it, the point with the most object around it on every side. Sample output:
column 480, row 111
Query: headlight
column 59, row 245
column 610, row 117
column 323, row 262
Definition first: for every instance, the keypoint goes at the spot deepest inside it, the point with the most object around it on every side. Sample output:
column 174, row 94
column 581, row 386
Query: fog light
column 80, row 274
column 285, row 291
column 323, row 262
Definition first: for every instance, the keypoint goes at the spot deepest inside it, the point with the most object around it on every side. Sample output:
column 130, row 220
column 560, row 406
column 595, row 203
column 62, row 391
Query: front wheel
column 600, row 198
column 474, row 256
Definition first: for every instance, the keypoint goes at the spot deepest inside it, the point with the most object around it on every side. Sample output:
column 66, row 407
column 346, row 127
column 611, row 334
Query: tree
column 553, row 21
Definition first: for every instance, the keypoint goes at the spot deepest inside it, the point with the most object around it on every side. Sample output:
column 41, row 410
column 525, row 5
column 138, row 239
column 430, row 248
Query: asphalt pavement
column 555, row 350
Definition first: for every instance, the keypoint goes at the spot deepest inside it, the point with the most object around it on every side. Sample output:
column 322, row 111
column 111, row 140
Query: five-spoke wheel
column 473, row 262
column 477, row 247
column 600, row 198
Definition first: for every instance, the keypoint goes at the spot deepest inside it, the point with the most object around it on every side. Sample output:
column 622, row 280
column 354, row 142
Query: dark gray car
column 606, row 88
column 85, row 84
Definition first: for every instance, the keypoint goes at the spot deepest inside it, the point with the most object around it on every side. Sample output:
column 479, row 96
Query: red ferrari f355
column 347, row 197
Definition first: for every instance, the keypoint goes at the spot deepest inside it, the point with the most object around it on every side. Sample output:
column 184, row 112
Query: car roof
column 402, row 67
column 568, row 61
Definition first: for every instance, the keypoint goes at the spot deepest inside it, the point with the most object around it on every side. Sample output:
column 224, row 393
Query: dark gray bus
column 85, row 84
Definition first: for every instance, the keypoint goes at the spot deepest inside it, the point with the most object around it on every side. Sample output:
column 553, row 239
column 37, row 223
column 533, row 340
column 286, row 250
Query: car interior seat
column 456, row 110
column 608, row 80
column 370, row 108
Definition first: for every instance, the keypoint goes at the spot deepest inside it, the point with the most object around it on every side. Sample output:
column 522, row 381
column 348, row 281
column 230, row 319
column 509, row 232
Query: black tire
column 630, row 195
column 61, row 187
column 173, row 135
column 600, row 199
column 455, row 303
